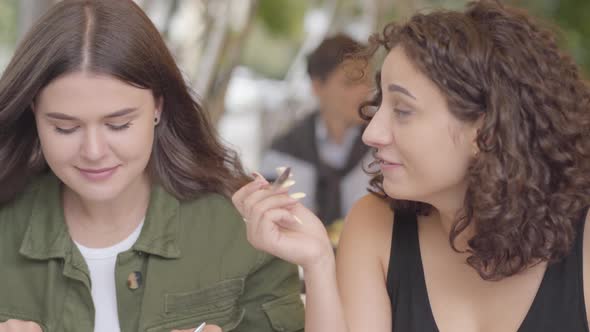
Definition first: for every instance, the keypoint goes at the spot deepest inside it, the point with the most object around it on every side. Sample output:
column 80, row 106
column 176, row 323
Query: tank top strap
column 404, row 250
column 559, row 304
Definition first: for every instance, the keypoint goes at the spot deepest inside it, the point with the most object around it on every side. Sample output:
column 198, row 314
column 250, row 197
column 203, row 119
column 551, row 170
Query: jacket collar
column 47, row 236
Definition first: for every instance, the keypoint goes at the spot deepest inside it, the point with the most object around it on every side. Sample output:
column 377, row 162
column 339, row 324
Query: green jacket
column 193, row 258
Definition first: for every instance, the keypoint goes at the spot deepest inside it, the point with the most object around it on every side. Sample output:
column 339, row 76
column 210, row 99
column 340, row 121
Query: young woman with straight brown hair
column 114, row 209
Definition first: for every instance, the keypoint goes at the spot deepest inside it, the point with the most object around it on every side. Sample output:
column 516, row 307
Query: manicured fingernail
column 288, row 184
column 280, row 169
column 297, row 195
column 298, row 220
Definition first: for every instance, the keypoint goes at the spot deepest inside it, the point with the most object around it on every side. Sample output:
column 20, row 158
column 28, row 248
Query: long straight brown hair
column 116, row 38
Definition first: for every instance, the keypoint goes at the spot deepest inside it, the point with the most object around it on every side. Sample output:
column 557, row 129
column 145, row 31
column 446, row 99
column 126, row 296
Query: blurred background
column 245, row 59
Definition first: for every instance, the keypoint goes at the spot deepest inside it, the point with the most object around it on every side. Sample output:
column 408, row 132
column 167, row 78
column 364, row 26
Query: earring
column 156, row 120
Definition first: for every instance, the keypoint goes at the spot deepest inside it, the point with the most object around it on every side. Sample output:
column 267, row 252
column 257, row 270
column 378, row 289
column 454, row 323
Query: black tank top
column 557, row 306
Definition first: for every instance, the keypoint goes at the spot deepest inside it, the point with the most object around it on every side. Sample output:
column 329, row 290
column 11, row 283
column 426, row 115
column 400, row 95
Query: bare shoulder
column 370, row 210
column 362, row 261
column 369, row 225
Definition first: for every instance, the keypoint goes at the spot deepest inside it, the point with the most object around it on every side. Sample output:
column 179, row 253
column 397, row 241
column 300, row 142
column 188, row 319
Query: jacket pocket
column 286, row 313
column 217, row 304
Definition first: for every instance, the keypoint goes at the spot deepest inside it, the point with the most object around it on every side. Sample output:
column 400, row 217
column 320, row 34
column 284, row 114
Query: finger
column 250, row 187
column 302, row 212
column 253, row 231
column 257, row 196
column 239, row 196
column 282, row 201
column 269, row 216
column 212, row 328
column 258, row 176
column 268, row 232
column 293, row 223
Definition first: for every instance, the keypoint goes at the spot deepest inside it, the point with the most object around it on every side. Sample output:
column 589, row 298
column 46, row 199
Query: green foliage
column 572, row 17
column 276, row 35
column 268, row 54
column 8, row 17
column 282, row 17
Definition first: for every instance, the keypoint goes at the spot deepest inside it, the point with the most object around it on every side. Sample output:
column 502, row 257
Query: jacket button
column 135, row 280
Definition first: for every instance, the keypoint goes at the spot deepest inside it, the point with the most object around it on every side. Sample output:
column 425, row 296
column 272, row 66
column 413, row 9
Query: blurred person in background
column 325, row 150
column 114, row 207
column 478, row 213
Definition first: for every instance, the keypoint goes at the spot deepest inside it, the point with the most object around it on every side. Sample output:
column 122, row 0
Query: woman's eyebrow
column 397, row 88
column 62, row 116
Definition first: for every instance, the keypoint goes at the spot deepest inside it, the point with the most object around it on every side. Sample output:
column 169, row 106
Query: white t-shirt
column 101, row 263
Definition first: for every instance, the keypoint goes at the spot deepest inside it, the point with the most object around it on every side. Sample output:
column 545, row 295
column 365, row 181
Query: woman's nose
column 94, row 145
column 379, row 132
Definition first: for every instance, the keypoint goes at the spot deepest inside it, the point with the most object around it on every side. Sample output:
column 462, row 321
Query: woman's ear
column 158, row 110
column 159, row 105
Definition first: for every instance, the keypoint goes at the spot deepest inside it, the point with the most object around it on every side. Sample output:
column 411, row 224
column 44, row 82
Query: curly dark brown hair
column 530, row 182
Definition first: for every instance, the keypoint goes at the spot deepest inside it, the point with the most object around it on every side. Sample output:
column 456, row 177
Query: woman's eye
column 66, row 131
column 402, row 113
column 119, row 127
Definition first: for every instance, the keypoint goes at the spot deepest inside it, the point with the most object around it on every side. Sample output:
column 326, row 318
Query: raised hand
column 278, row 224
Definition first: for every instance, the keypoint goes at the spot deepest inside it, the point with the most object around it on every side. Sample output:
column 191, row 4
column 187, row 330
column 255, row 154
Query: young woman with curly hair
column 477, row 212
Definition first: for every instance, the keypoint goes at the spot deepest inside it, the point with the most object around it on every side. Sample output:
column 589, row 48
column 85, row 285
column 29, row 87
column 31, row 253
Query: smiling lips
column 385, row 164
column 97, row 174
